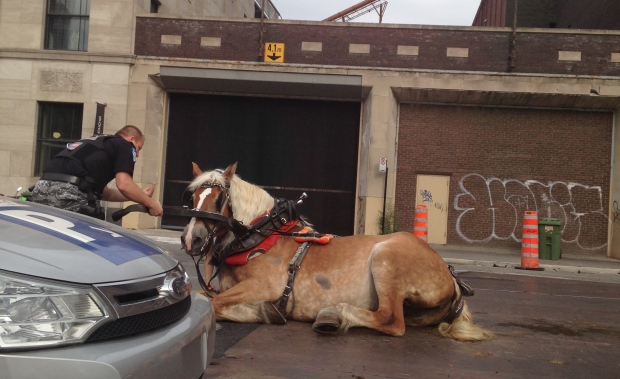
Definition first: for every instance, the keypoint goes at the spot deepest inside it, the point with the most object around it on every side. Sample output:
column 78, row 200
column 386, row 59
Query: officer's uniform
column 75, row 178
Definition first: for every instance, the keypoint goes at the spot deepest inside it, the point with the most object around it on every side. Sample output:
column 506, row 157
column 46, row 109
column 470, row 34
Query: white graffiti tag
column 492, row 208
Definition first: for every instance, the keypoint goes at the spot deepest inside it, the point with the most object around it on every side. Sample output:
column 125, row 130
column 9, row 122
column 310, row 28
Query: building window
column 66, row 26
column 59, row 124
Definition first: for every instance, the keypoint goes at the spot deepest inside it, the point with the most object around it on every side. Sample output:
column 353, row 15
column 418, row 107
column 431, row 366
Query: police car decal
column 108, row 244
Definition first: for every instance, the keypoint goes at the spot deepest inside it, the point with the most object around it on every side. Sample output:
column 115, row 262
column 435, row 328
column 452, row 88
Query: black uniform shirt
column 118, row 155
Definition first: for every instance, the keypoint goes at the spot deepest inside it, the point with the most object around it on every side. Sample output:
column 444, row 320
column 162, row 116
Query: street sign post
column 383, row 168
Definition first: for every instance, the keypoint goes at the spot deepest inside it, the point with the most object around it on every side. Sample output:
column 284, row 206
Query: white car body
column 83, row 298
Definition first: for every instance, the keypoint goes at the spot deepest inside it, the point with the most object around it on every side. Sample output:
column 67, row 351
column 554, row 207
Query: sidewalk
column 582, row 263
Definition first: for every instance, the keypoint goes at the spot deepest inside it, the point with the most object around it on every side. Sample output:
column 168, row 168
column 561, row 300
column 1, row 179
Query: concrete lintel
column 569, row 56
column 266, row 83
column 210, row 41
column 312, row 46
column 170, row 39
column 407, row 50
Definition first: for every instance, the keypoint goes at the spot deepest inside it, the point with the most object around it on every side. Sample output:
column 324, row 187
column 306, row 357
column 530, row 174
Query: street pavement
column 556, row 323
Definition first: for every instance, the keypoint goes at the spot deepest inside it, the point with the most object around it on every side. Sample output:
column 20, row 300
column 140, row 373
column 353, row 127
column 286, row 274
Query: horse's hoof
column 327, row 322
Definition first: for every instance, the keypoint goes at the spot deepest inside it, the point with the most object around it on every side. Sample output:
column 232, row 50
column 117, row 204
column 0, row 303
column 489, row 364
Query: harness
column 246, row 238
column 275, row 223
column 457, row 302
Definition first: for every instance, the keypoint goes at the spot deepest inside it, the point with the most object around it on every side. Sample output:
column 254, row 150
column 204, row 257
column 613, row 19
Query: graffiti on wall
column 616, row 212
column 493, row 208
column 427, row 196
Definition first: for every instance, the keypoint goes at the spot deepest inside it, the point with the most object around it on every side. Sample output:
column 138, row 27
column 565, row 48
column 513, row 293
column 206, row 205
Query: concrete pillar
column 379, row 133
column 147, row 104
column 613, row 249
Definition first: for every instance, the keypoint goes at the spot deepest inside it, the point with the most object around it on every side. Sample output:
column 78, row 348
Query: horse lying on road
column 382, row 282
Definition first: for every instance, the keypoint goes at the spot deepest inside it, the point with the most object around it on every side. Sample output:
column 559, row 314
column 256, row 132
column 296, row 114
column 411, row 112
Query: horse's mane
column 248, row 200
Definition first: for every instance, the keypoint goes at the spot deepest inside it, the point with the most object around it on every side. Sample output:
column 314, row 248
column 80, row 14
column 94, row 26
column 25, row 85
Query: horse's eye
column 187, row 199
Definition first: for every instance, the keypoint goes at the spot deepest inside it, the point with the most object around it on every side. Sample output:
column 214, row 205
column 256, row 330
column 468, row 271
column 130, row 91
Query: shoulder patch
column 133, row 152
column 74, row 145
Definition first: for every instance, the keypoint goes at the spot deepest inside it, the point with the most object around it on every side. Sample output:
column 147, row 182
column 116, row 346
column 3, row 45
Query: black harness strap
column 247, row 238
column 457, row 299
column 456, row 308
column 292, row 271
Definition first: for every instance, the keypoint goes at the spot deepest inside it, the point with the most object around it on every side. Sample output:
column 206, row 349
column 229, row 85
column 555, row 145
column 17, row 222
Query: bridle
column 217, row 219
column 212, row 233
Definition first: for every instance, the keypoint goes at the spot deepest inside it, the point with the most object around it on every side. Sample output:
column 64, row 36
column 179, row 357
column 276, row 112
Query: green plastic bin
column 549, row 238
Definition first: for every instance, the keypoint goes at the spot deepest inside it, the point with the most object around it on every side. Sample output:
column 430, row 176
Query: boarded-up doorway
column 286, row 146
column 433, row 191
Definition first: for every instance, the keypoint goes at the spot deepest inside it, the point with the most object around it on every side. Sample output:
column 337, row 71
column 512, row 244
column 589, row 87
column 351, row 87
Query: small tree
column 391, row 220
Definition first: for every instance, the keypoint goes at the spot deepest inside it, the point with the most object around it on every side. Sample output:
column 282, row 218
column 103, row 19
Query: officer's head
column 132, row 134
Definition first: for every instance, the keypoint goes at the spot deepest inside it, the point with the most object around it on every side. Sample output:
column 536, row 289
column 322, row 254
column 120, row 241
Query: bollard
column 529, row 242
column 420, row 223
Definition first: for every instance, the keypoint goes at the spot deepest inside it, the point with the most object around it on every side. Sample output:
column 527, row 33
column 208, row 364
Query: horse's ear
column 196, row 170
column 230, row 172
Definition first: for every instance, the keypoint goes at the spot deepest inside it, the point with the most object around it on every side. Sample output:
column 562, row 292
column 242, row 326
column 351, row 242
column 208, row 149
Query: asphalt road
column 547, row 325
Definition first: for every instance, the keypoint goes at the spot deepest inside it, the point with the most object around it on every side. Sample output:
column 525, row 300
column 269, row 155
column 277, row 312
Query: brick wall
column 503, row 161
column 599, row 14
column 532, row 13
column 488, row 49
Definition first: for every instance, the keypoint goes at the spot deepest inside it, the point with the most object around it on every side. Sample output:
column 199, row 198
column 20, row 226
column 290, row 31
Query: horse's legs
column 245, row 302
column 388, row 318
column 396, row 278
column 344, row 316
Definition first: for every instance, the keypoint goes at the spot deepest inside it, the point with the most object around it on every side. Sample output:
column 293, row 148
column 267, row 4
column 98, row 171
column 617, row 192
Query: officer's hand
column 156, row 210
column 150, row 190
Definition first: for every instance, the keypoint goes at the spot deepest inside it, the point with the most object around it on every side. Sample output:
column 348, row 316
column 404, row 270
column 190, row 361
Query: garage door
column 286, row 146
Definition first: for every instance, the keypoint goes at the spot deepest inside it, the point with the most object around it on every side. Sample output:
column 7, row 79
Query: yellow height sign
column 274, row 52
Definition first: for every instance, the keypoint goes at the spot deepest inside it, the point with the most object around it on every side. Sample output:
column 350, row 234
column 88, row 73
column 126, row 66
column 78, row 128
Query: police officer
column 77, row 178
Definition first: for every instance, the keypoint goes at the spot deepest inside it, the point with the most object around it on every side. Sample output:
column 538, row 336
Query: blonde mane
column 248, row 201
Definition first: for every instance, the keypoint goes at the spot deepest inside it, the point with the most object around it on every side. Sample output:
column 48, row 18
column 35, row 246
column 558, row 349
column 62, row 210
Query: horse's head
column 210, row 193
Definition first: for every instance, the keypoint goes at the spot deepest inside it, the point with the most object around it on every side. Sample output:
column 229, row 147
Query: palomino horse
column 381, row 282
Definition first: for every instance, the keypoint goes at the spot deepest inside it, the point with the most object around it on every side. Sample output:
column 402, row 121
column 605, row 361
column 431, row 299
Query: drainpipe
column 513, row 42
column 261, row 44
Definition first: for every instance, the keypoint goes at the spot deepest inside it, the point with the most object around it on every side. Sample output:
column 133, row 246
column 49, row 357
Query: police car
column 82, row 298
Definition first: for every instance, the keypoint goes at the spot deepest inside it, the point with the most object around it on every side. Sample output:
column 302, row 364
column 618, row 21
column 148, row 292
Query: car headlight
column 35, row 313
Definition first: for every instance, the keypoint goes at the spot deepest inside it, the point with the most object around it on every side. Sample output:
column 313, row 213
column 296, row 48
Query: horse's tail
column 462, row 327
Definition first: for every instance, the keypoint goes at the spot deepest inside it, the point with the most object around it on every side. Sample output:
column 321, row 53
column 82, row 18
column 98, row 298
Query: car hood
column 50, row 243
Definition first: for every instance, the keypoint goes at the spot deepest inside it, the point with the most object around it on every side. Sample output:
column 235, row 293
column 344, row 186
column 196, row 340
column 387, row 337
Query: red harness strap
column 244, row 257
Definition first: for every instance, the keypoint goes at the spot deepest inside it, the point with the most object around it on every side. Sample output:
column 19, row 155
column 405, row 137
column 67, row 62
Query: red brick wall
column 565, row 14
column 599, row 14
column 532, row 13
column 488, row 50
column 503, row 161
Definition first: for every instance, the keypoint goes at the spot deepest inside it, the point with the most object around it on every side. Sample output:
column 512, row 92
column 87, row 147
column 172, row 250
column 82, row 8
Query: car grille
column 143, row 322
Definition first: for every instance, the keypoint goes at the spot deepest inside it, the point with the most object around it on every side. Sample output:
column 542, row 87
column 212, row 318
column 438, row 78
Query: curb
column 572, row 269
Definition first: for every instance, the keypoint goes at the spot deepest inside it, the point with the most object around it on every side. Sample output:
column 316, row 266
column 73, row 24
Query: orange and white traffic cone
column 420, row 223
column 529, row 242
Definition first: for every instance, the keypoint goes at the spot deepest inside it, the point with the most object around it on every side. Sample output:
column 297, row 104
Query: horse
column 381, row 282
